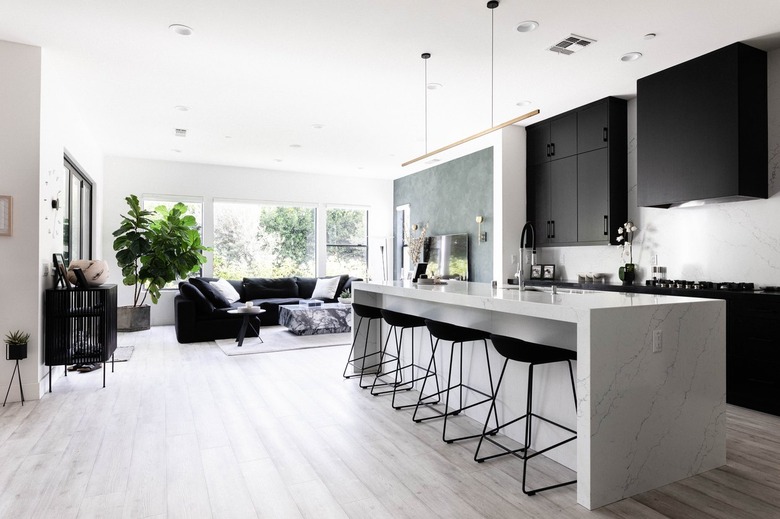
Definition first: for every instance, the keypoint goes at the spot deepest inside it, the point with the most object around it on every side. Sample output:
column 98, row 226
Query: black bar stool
column 396, row 321
column 534, row 355
column 370, row 313
column 456, row 335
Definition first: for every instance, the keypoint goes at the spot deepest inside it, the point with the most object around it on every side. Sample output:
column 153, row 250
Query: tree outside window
column 347, row 242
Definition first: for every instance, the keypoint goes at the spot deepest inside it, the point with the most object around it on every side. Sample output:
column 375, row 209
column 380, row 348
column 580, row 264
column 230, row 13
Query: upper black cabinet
column 553, row 139
column 577, row 189
column 702, row 129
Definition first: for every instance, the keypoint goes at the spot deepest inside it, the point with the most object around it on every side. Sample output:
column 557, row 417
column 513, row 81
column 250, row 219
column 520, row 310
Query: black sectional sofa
column 201, row 315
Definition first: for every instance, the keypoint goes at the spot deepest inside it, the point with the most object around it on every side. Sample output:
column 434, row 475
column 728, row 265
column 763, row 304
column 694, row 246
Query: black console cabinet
column 576, row 174
column 80, row 326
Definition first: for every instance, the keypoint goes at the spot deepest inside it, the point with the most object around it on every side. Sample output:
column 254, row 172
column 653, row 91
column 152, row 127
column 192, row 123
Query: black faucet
column 528, row 232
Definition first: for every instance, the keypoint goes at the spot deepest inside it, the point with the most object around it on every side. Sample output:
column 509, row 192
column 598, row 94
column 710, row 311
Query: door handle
column 552, row 149
column 606, row 224
column 606, row 134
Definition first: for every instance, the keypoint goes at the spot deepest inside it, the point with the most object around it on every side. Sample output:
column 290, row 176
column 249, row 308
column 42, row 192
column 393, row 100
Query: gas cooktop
column 701, row 285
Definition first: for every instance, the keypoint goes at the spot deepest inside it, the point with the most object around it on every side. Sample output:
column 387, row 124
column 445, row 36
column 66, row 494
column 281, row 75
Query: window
column 194, row 208
column 77, row 208
column 347, row 242
column 252, row 239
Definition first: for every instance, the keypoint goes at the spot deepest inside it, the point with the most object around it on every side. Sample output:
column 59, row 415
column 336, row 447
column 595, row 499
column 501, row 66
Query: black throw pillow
column 267, row 288
column 212, row 294
column 202, row 305
column 305, row 287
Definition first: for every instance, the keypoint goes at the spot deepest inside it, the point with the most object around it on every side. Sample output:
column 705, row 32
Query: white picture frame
column 6, row 215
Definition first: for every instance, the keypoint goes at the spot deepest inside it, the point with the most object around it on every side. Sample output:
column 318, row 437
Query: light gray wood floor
column 185, row 431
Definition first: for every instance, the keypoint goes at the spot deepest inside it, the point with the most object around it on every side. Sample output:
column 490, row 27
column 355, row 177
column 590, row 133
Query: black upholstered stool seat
column 532, row 354
column 400, row 321
column 457, row 335
column 369, row 313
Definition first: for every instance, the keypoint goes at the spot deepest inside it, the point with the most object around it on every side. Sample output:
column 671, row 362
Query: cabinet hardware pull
column 548, row 228
column 548, row 150
column 606, row 132
column 552, row 149
column 553, row 229
column 606, row 231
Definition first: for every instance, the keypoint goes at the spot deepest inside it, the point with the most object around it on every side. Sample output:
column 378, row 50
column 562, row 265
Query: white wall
column 125, row 176
column 737, row 241
column 37, row 127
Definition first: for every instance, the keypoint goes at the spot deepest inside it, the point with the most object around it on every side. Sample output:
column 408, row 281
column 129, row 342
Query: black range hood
column 702, row 130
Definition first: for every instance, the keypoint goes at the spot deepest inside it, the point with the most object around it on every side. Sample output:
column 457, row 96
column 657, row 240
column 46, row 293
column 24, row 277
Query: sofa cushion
column 202, row 305
column 266, row 288
column 342, row 284
column 305, row 287
column 212, row 294
column 326, row 288
column 226, row 289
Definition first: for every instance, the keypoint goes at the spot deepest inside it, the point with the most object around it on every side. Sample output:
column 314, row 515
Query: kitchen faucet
column 527, row 228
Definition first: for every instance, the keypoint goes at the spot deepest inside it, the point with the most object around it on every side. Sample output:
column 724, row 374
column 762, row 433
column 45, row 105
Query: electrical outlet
column 45, row 269
column 514, row 258
column 658, row 341
column 654, row 260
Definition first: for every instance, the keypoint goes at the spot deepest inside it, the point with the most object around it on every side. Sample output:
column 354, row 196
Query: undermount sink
column 559, row 290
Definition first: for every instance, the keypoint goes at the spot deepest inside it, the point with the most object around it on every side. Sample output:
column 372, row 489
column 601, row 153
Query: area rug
column 123, row 353
column 278, row 338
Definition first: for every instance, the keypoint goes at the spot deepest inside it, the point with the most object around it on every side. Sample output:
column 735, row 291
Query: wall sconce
column 482, row 235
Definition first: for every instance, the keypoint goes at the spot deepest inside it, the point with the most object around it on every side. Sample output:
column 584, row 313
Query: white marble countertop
column 567, row 305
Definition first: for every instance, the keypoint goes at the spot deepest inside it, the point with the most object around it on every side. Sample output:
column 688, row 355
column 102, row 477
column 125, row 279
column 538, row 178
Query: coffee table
column 247, row 313
column 316, row 320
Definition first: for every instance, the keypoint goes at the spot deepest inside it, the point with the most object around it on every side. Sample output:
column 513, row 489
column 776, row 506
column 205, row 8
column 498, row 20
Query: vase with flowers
column 625, row 237
column 415, row 243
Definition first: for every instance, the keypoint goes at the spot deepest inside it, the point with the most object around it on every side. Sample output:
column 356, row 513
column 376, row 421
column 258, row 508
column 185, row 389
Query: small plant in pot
column 154, row 248
column 17, row 345
column 345, row 297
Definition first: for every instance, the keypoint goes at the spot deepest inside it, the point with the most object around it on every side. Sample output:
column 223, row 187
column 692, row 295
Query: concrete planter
column 133, row 318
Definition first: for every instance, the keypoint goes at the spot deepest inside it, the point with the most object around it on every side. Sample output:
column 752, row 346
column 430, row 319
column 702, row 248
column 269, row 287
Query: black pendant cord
column 425, row 56
column 492, row 64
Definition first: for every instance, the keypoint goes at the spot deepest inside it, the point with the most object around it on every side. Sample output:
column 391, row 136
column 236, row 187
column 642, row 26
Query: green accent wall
column 448, row 198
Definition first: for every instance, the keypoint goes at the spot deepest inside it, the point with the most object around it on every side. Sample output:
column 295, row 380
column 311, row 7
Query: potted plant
column 627, row 273
column 17, row 345
column 154, row 249
column 345, row 298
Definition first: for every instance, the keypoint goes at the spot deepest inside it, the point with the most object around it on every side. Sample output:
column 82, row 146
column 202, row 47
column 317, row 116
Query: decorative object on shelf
column 60, row 272
column 6, row 215
column 625, row 237
column 345, row 298
column 415, row 243
column 154, row 248
column 536, row 271
column 548, row 271
column 95, row 272
column 492, row 4
column 16, row 350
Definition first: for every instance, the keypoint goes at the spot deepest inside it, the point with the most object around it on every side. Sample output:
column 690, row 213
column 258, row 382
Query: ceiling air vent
column 180, row 132
column 571, row 44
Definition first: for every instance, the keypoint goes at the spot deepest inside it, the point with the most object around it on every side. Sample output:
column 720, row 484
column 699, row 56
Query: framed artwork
column 548, row 271
column 6, row 215
column 536, row 271
column 60, row 272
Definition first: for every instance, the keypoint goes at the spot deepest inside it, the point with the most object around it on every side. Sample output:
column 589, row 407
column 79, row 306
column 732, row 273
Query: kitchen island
column 651, row 375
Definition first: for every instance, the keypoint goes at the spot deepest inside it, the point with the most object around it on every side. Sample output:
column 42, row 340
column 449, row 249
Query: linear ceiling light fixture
column 492, row 4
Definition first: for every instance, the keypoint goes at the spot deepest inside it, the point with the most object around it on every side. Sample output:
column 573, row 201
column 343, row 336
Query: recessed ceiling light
column 181, row 108
column 318, row 126
column 175, row 150
column 278, row 160
column 434, row 86
column 295, row 145
column 181, row 30
column 526, row 26
column 650, row 35
column 631, row 56
column 228, row 136
column 523, row 103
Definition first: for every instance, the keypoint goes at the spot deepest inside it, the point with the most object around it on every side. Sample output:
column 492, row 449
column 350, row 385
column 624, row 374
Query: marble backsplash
column 736, row 241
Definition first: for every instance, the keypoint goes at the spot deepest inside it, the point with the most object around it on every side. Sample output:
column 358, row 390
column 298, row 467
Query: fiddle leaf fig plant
column 154, row 248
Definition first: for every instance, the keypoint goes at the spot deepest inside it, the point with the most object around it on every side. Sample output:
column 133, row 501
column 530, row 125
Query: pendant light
column 492, row 4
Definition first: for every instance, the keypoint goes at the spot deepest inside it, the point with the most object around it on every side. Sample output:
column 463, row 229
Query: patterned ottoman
column 315, row 320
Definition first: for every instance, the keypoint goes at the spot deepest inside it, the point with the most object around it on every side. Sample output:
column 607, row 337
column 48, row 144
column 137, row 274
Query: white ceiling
column 258, row 75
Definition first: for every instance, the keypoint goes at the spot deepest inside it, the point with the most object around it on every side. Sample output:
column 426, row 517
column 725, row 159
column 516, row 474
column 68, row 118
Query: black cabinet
column 702, row 129
column 80, row 326
column 753, row 353
column 576, row 174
